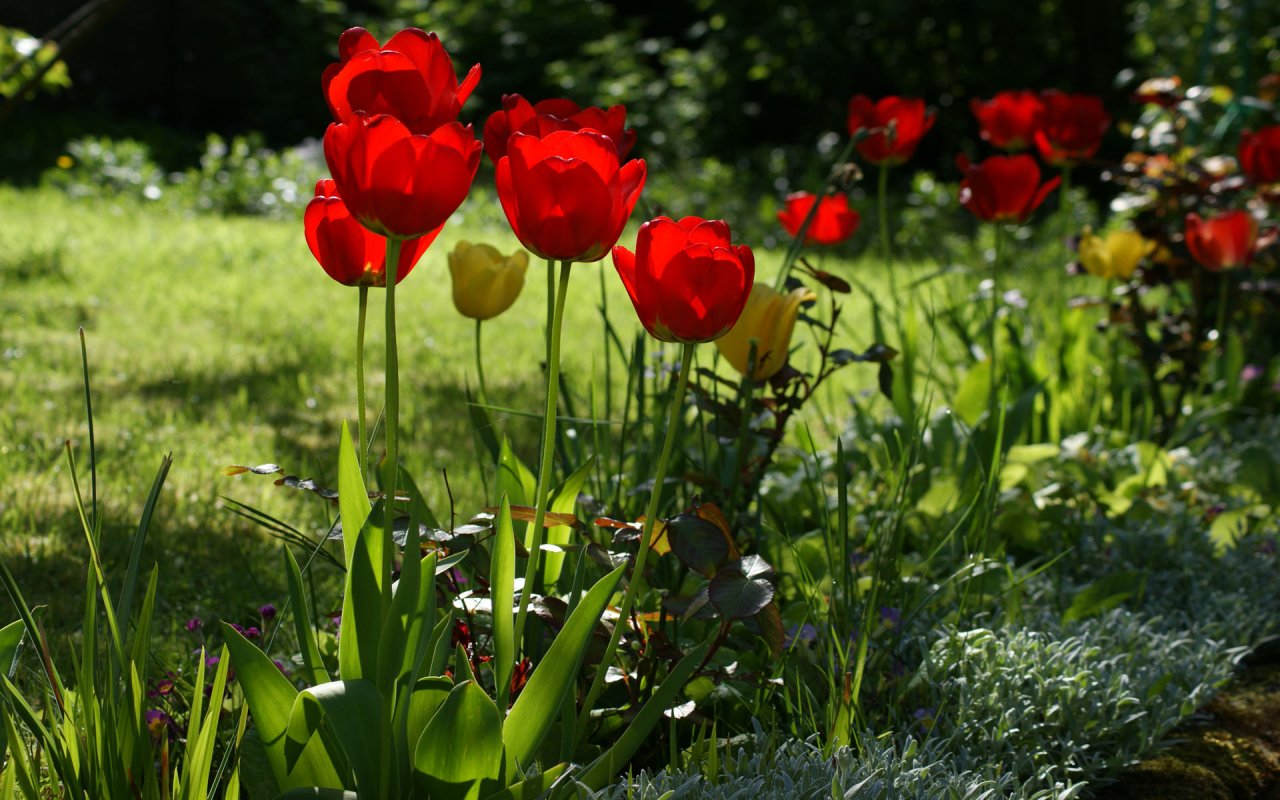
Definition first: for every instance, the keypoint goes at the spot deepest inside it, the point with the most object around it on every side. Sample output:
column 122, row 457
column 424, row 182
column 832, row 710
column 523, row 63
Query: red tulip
column 1071, row 128
column 833, row 223
column 350, row 253
column 565, row 194
column 1003, row 188
column 545, row 116
column 1260, row 154
column 397, row 183
column 411, row 78
column 904, row 120
column 688, row 282
column 1010, row 119
column 1222, row 242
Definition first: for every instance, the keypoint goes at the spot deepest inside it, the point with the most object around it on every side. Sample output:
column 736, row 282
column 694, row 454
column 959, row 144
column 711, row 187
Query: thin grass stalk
column 362, row 441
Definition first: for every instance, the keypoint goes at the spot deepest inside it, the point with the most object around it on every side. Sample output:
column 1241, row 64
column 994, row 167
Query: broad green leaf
column 459, row 755
column 531, row 788
column 735, row 596
column 362, row 609
column 353, row 496
column 1105, row 594
column 973, row 394
column 502, row 577
column 271, row 697
column 540, row 701
column 424, row 701
column 314, row 671
column 699, row 544
column 1227, row 528
column 1032, row 453
column 10, row 641
column 438, row 647
column 514, row 478
column 354, row 712
column 563, row 501
column 599, row 772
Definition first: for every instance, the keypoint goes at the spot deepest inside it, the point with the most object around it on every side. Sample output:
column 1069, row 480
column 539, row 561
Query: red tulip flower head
column 545, row 116
column 687, row 280
column 1003, row 188
column 350, row 253
column 411, row 78
column 1009, row 120
column 398, row 183
column 565, row 194
column 1071, row 128
column 902, row 121
column 1260, row 154
column 1222, row 242
column 833, row 223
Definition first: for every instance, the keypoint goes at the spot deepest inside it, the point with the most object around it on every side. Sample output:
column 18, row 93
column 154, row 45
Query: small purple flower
column 1251, row 372
column 238, row 628
column 164, row 687
column 857, row 558
column 194, row 624
column 252, row 632
column 157, row 723
column 890, row 616
column 925, row 716
column 280, row 665
column 804, row 633
column 268, row 612
column 211, row 662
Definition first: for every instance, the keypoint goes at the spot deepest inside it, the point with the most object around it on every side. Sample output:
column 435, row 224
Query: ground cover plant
column 984, row 512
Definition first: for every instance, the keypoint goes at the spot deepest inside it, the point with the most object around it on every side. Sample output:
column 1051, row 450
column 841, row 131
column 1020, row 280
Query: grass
column 220, row 340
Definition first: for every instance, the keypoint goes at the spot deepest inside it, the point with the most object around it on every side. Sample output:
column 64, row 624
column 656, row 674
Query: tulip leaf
column 736, row 596
column 359, row 636
column 424, row 701
column 460, row 755
column 563, row 501
column 502, row 577
column 271, row 697
column 514, row 478
column 10, row 641
column 313, row 663
column 540, row 702
column 531, row 788
column 353, row 497
column 606, row 766
column 354, row 713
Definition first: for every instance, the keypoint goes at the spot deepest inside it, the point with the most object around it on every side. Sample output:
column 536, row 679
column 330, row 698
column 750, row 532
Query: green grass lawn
column 222, row 342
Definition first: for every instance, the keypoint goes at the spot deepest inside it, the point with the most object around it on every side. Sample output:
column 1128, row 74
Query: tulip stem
column 362, row 444
column 393, row 412
column 548, row 446
column 1064, row 200
column 674, row 413
column 484, row 393
column 995, row 310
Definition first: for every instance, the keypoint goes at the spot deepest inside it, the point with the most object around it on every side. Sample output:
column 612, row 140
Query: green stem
column 646, row 535
column 484, row 393
column 995, row 311
column 1064, row 201
column 548, row 445
column 362, row 443
column 392, row 400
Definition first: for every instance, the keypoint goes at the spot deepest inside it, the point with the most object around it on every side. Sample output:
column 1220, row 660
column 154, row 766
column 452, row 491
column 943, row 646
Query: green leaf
column 460, row 755
column 353, row 496
column 514, row 478
column 1105, row 594
column 354, row 712
column 531, row 788
column 699, row 544
column 139, row 539
column 316, row 793
column 540, row 701
column 735, row 596
column 973, row 393
column 10, row 641
column 564, row 500
column 271, row 697
column 502, row 578
column 1227, row 528
column 601, row 771
column 314, row 671
column 424, row 701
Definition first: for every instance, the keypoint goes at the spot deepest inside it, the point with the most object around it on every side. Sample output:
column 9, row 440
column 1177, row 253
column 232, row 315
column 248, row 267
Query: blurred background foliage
column 731, row 99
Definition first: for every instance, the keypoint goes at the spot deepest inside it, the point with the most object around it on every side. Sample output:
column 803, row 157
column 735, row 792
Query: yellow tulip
column 768, row 320
column 1114, row 256
column 485, row 282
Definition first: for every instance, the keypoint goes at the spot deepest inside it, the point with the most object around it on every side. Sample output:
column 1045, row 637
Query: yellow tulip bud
column 768, row 320
column 1114, row 256
column 485, row 282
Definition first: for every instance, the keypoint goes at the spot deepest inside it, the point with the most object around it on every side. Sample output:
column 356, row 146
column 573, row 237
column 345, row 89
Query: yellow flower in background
column 65, row 162
column 1114, row 256
column 769, row 319
column 485, row 282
